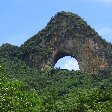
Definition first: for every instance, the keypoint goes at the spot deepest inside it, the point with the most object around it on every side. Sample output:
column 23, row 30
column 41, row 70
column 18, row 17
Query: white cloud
column 106, row 33
column 71, row 65
column 67, row 62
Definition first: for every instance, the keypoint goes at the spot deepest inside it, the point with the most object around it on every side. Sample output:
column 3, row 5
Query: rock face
column 68, row 35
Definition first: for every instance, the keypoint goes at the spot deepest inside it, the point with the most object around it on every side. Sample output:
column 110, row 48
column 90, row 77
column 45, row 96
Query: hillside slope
column 52, row 90
column 66, row 34
column 24, row 87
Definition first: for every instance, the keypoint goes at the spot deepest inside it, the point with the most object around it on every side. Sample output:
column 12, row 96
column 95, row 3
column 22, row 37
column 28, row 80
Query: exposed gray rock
column 68, row 35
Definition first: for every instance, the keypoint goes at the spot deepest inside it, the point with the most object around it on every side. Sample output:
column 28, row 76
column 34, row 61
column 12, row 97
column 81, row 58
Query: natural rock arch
column 67, row 62
column 68, row 35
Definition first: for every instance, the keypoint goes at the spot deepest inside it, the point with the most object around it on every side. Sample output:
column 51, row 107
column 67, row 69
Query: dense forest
column 23, row 89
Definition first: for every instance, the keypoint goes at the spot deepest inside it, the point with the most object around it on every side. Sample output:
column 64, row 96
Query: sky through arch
column 67, row 62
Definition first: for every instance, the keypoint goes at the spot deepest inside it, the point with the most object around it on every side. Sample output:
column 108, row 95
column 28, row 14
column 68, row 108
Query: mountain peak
column 67, row 34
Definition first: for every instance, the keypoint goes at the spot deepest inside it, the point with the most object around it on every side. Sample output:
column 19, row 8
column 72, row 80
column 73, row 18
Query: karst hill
column 29, row 83
column 66, row 34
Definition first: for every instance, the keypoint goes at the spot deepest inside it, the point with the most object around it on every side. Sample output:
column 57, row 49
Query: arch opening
column 67, row 62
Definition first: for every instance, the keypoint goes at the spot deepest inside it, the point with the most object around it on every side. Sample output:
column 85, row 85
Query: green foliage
column 52, row 90
column 23, row 89
column 80, row 24
column 9, row 51
column 15, row 96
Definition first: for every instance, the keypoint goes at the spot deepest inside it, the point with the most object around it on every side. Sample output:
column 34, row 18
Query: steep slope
column 67, row 34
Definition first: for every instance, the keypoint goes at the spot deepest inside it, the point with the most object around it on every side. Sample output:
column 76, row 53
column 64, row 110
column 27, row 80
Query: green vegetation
column 15, row 96
column 24, row 89
column 51, row 90
column 80, row 24
column 8, row 51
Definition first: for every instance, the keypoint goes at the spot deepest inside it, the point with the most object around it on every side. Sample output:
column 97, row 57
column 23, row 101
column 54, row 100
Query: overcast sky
column 21, row 19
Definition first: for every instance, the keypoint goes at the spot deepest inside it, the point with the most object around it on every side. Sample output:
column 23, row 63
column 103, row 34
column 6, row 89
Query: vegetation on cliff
column 26, row 89
column 43, row 48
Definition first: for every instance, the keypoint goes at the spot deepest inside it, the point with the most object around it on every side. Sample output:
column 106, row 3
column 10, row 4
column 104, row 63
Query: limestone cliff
column 67, row 34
